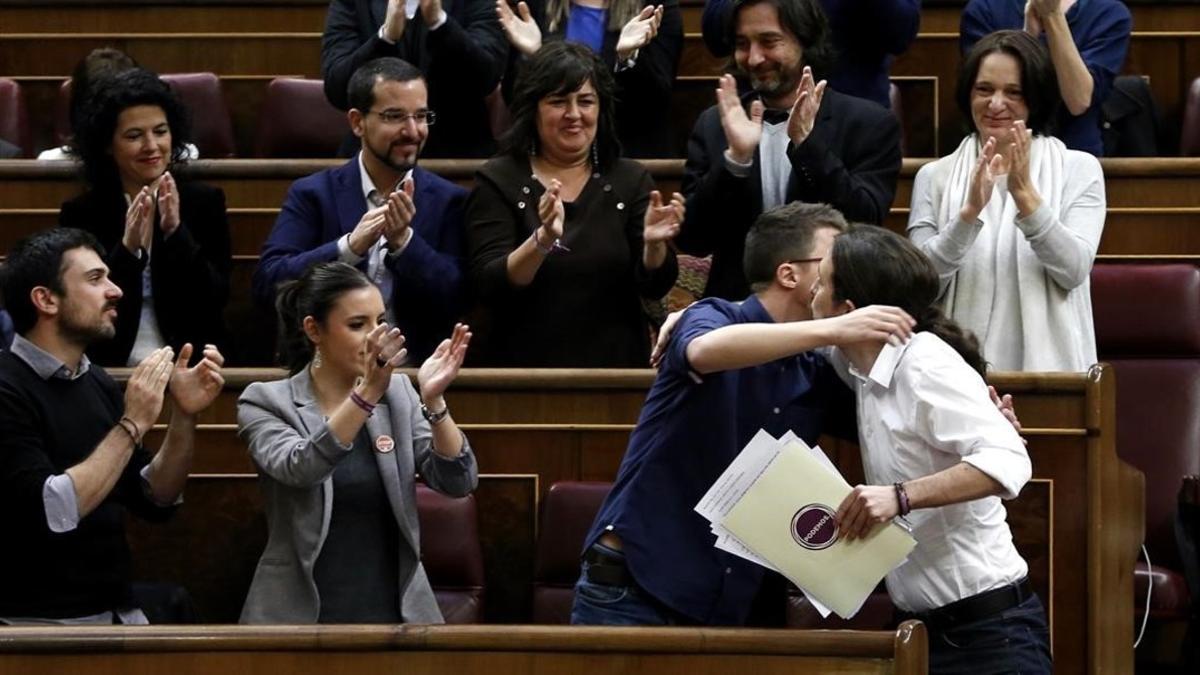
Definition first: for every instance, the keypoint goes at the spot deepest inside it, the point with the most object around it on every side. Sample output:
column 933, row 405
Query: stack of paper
column 774, row 506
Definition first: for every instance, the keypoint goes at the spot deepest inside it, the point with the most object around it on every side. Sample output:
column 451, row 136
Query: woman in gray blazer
column 337, row 445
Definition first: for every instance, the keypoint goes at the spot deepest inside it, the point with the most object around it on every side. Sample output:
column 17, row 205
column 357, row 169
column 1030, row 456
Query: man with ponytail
column 937, row 451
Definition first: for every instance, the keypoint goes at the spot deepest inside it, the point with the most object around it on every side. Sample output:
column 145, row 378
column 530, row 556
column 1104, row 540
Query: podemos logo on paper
column 814, row 527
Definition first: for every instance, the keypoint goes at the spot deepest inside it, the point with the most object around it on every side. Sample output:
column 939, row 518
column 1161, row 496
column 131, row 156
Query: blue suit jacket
column 427, row 293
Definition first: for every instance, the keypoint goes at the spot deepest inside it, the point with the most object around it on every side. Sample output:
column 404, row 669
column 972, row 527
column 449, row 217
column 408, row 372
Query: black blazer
column 189, row 271
column 462, row 62
column 643, row 91
column 851, row 161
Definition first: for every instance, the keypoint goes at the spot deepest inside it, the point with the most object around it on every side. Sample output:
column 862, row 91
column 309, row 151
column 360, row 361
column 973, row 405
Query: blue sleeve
column 975, row 23
column 699, row 319
column 712, row 27
column 1104, row 46
column 293, row 245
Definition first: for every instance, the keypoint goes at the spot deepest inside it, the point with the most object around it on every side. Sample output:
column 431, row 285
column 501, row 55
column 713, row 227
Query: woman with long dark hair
column 336, row 446
column 938, row 451
column 565, row 238
column 167, row 239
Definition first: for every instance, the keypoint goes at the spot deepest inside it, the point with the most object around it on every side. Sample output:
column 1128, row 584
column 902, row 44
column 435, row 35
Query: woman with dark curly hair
column 167, row 240
column 565, row 237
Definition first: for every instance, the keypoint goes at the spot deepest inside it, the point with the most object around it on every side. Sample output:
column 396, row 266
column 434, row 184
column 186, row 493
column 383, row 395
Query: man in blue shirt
column 1087, row 40
column 729, row 370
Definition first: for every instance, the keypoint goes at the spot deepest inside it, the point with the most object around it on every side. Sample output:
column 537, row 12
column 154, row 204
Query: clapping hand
column 662, row 221
column 742, row 131
column 522, row 30
column 168, row 204
column 145, row 389
column 983, row 180
column 139, row 222
column 194, row 389
column 1020, row 186
column 383, row 352
column 638, row 33
column 804, row 110
column 440, row 369
column 431, row 10
column 394, row 21
column 550, row 209
column 399, row 214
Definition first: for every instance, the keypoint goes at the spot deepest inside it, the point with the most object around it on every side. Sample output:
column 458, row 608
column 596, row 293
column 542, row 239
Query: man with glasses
column 399, row 223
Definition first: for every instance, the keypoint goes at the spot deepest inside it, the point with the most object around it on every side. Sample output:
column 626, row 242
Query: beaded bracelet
column 363, row 404
column 548, row 250
column 902, row 498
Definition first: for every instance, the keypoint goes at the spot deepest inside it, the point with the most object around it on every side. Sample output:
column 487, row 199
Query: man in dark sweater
column 71, row 454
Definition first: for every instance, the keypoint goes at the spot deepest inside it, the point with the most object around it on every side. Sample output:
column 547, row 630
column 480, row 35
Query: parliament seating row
column 261, row 45
column 295, row 120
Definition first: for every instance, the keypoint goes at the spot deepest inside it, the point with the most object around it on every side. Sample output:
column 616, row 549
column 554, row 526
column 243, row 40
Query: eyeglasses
column 802, row 260
column 397, row 117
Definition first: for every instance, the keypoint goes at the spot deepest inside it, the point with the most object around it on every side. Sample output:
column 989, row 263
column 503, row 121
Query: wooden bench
column 458, row 650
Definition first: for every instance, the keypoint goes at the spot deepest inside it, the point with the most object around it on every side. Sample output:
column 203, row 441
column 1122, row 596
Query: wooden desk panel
column 460, row 650
column 1078, row 523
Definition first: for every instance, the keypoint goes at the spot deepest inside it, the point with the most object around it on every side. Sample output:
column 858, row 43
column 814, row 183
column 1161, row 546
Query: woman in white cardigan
column 1012, row 218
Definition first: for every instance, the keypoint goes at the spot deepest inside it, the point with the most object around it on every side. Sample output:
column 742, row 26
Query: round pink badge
column 385, row 444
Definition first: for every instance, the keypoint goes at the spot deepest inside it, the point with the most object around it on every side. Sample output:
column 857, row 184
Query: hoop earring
column 316, row 359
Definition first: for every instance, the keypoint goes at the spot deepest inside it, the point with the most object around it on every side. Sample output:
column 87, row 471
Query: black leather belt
column 606, row 566
column 981, row 606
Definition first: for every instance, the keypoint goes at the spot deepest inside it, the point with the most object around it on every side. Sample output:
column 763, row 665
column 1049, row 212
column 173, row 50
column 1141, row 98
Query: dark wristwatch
column 434, row 416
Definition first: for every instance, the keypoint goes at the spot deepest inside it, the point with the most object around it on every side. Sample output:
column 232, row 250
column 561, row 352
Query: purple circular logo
column 814, row 527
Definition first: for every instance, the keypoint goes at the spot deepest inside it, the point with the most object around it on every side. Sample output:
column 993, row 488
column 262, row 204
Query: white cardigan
column 1020, row 284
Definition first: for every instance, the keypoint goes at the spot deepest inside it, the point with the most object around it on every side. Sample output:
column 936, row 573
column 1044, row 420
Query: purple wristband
column 362, row 403
column 902, row 498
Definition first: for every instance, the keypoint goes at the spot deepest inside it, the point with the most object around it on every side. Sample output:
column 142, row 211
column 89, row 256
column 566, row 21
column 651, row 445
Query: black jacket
column 189, row 271
column 462, row 62
column 851, row 161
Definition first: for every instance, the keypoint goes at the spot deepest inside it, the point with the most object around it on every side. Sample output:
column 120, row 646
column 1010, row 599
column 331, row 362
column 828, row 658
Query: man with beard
column 71, row 454
column 397, row 222
column 790, row 139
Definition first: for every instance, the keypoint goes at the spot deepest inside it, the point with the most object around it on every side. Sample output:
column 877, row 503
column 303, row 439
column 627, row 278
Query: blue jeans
column 1014, row 641
column 604, row 605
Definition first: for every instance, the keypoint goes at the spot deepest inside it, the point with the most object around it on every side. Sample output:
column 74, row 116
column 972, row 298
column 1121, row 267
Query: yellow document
column 787, row 517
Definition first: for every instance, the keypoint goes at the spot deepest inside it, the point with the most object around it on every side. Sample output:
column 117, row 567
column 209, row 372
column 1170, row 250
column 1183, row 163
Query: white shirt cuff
column 345, row 253
column 62, row 505
column 737, row 168
column 627, row 63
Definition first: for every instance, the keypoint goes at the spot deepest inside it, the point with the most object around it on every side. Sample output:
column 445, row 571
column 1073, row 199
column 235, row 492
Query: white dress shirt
column 921, row 410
